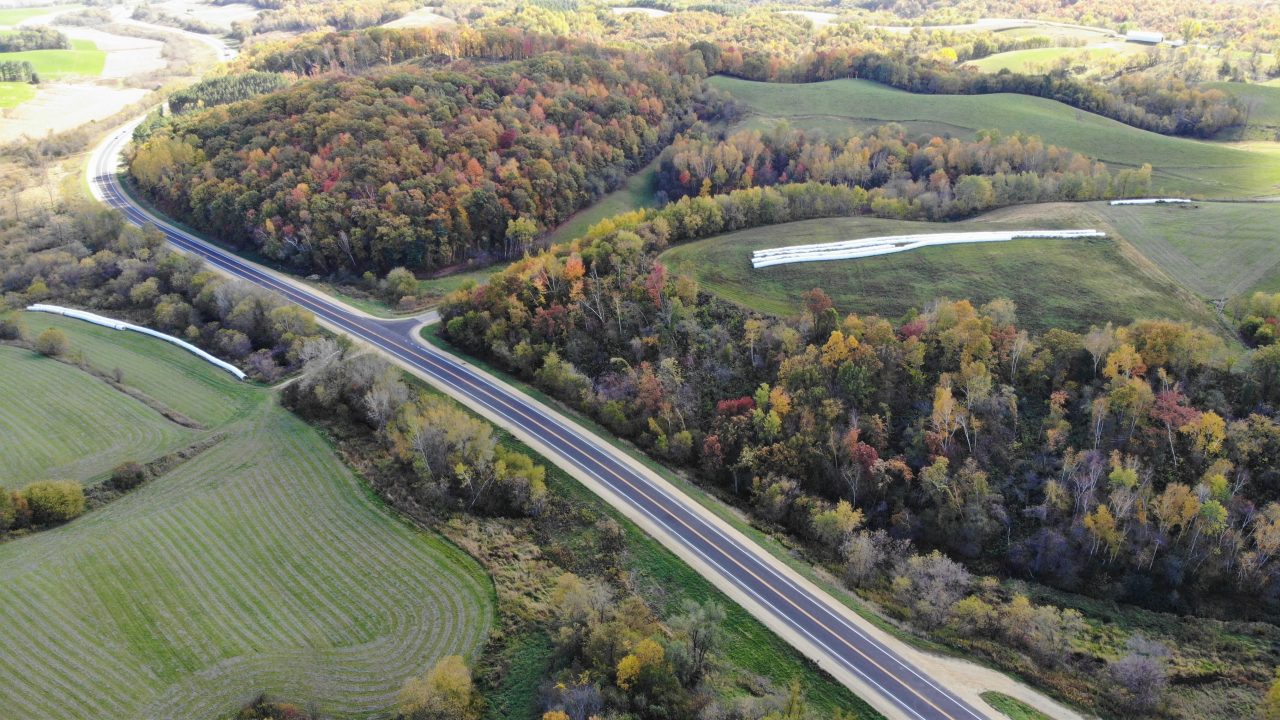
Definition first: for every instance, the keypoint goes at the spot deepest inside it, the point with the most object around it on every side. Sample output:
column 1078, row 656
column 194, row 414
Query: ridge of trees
column 945, row 177
column 765, row 46
column 416, row 167
column 33, row 38
column 307, row 15
column 1148, row 101
column 90, row 257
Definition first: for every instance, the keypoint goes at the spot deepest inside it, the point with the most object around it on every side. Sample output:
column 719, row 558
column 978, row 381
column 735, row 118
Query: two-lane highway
column 806, row 617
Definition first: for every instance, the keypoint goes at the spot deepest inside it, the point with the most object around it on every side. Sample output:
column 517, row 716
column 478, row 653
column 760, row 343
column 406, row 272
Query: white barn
column 1144, row 36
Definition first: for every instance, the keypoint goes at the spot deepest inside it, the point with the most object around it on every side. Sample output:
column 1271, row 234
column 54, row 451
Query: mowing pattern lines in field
column 1219, row 250
column 166, row 373
column 57, row 422
column 1055, row 283
column 260, row 565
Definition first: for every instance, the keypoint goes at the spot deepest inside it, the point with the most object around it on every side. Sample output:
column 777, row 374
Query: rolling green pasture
column 1181, row 166
column 1218, row 250
column 163, row 371
column 1024, row 61
column 260, row 565
column 12, row 16
column 1263, row 103
column 1055, row 283
column 57, row 422
column 13, row 94
column 83, row 59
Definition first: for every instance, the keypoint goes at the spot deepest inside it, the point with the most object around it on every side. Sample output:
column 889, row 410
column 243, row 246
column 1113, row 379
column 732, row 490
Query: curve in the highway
column 896, row 686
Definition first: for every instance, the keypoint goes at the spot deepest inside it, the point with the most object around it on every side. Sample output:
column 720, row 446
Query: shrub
column 127, row 475
column 7, row 511
column 444, row 692
column 54, row 501
column 10, row 327
column 51, row 342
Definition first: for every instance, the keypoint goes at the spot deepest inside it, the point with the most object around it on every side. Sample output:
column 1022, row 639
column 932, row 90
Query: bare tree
column 1143, row 673
column 1099, row 341
column 383, row 400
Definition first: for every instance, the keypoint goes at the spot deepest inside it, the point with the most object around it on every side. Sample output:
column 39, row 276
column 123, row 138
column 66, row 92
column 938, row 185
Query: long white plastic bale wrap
column 119, row 325
column 867, row 247
column 1152, row 201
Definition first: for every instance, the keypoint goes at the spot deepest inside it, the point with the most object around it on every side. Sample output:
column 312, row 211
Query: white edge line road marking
column 497, row 394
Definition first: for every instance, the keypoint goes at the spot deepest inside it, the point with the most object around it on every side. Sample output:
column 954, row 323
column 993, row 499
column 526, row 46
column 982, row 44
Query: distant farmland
column 1040, row 59
column 260, row 565
column 83, row 59
column 1181, row 166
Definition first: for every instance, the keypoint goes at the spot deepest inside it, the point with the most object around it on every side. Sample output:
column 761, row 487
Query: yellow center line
column 418, row 351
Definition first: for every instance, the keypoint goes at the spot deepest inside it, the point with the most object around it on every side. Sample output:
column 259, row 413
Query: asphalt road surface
column 904, row 690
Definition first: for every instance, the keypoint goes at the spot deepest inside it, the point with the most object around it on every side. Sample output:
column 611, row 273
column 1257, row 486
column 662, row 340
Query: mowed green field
column 1182, row 166
column 12, row 16
column 1262, row 102
column 83, row 59
column 13, row 94
column 260, row 565
column 1036, row 59
column 163, row 371
column 1055, row 283
column 1218, row 250
column 57, row 422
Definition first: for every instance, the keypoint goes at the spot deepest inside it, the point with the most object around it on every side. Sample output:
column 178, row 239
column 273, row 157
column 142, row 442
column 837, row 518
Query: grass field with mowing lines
column 58, row 422
column 83, row 59
column 165, row 372
column 1083, row 281
column 1181, row 166
column 1218, row 250
column 262, row 564
column 13, row 94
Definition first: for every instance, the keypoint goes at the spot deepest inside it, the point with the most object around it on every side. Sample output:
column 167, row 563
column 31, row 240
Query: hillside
column 1180, row 165
column 261, row 564
column 1113, row 287
column 421, row 168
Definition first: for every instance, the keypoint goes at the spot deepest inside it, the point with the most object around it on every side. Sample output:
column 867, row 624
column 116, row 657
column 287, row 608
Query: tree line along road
column 808, row 618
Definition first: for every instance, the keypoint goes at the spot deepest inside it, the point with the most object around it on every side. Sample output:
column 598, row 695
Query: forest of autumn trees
column 1131, row 464
column 305, row 15
column 1124, row 462
column 415, row 167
